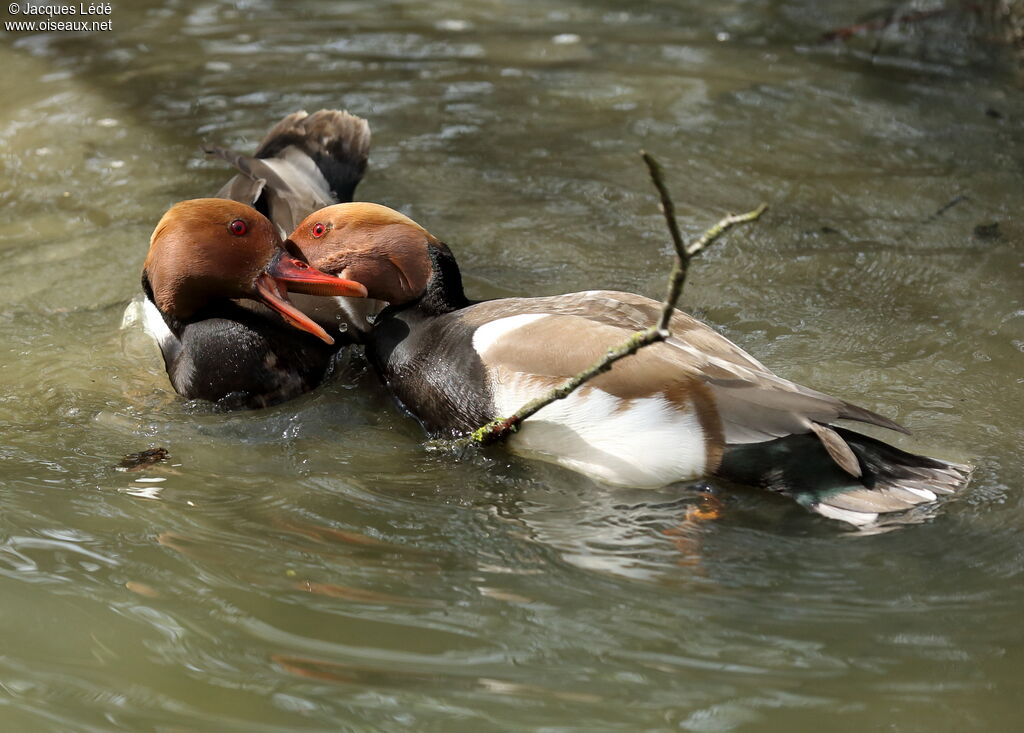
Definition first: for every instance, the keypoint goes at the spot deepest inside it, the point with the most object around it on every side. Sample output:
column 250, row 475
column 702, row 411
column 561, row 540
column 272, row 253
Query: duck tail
column 305, row 162
column 894, row 487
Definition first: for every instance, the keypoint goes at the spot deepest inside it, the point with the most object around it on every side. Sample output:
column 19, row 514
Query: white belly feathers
column 645, row 442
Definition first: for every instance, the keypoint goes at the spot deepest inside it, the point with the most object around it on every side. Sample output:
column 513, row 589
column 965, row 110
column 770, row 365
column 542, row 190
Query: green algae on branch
column 500, row 428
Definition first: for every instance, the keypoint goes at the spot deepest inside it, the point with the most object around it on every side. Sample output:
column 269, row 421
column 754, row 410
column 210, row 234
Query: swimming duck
column 204, row 254
column 217, row 274
column 696, row 405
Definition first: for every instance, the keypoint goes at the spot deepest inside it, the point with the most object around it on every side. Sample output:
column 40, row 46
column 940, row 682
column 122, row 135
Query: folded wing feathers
column 837, row 448
column 244, row 188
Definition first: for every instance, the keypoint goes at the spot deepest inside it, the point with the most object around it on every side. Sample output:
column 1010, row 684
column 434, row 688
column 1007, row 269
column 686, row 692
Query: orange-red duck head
column 379, row 247
column 206, row 249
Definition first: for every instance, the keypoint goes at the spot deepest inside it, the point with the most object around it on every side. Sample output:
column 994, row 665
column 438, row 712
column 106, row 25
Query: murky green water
column 313, row 567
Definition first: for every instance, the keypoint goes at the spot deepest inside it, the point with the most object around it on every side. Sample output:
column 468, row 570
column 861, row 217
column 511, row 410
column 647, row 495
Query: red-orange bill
column 275, row 295
column 300, row 277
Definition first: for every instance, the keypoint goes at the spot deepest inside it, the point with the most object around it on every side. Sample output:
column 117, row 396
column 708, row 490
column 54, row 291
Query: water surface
column 314, row 567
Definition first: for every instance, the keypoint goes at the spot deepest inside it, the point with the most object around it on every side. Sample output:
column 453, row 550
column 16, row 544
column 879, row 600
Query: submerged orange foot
column 686, row 535
column 710, row 507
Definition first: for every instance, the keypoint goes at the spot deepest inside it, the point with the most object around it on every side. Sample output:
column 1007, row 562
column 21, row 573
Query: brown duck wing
column 753, row 404
column 636, row 313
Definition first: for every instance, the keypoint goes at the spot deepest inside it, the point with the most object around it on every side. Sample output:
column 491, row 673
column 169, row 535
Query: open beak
column 288, row 273
column 300, row 277
column 275, row 295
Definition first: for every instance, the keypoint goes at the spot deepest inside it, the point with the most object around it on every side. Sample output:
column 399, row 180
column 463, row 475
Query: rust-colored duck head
column 206, row 249
column 384, row 250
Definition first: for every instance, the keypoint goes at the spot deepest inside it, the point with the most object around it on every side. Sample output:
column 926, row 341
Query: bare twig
column 934, row 216
column 959, row 198
column 888, row 20
column 502, row 427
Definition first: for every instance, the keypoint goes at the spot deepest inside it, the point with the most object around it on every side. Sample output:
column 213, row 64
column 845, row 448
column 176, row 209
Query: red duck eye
column 238, row 227
column 319, row 229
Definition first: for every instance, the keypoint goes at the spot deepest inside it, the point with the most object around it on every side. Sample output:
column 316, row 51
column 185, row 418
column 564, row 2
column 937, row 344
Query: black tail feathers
column 892, row 481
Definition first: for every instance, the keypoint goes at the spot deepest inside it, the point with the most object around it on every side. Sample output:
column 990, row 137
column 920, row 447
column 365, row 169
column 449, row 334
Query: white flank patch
column 490, row 333
column 643, row 443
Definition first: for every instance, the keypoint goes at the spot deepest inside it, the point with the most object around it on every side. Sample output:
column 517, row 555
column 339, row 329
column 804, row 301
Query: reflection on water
column 314, row 566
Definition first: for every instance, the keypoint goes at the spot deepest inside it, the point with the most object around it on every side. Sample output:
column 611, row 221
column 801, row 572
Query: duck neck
column 444, row 292
column 172, row 322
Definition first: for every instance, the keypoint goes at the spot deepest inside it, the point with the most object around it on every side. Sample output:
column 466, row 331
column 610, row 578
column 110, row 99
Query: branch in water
column 890, row 19
column 502, row 427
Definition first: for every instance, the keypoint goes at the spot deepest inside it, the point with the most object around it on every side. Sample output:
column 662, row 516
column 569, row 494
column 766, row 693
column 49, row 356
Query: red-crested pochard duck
column 204, row 254
column 217, row 274
column 695, row 405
